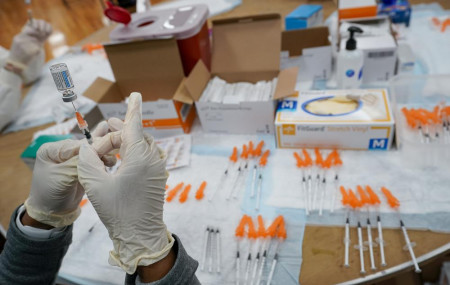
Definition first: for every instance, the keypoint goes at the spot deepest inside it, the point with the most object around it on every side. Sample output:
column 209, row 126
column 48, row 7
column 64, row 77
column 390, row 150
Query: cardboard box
column 153, row 68
column 399, row 12
column 380, row 51
column 310, row 50
column 245, row 49
column 369, row 126
column 304, row 16
column 348, row 9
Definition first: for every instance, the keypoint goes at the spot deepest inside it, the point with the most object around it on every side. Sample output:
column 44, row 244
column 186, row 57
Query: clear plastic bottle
column 350, row 63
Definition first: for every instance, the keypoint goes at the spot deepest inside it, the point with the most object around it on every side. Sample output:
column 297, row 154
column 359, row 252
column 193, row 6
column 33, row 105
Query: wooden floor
column 77, row 19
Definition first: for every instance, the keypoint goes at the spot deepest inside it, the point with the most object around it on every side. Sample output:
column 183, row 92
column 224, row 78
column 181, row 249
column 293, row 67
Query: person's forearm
column 158, row 270
column 181, row 269
column 27, row 260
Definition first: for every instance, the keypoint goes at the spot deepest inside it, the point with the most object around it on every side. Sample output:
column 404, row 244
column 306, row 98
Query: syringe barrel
column 63, row 81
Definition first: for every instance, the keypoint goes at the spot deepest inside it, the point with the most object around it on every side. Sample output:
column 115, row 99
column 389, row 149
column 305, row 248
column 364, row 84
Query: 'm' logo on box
column 287, row 105
column 378, row 144
column 289, row 130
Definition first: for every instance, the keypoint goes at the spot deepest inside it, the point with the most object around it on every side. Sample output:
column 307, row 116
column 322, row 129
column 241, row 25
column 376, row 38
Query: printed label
column 289, row 130
column 378, row 143
column 379, row 54
column 287, row 105
column 350, row 73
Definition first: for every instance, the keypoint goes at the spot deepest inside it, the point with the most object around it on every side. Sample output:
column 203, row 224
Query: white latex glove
column 29, row 42
column 55, row 192
column 130, row 202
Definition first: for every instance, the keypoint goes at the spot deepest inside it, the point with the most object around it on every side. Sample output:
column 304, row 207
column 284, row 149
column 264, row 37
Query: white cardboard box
column 380, row 51
column 348, row 9
column 245, row 49
column 369, row 127
column 310, row 50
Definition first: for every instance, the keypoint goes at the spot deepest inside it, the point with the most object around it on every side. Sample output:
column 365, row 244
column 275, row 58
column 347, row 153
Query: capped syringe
column 65, row 86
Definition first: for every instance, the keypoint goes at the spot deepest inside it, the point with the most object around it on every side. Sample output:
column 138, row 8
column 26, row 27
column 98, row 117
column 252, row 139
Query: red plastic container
column 187, row 24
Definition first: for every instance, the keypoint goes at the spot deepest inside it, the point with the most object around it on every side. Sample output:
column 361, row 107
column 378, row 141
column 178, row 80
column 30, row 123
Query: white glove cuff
column 131, row 265
column 54, row 220
column 15, row 64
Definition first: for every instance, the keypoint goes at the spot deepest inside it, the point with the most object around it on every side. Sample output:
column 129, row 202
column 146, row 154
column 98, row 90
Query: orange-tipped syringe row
column 246, row 225
column 424, row 116
column 426, row 121
column 322, row 165
column 248, row 154
column 264, row 237
column 367, row 196
column 183, row 197
column 333, row 159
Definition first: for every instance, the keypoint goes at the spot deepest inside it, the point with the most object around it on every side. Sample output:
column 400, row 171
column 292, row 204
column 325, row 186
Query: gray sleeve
column 182, row 272
column 26, row 260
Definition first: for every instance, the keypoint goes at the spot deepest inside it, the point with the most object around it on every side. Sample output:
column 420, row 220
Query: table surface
column 322, row 246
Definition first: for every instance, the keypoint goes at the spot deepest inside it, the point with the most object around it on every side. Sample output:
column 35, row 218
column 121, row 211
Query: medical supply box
column 245, row 49
column 343, row 119
column 380, row 50
column 399, row 12
column 348, row 9
column 310, row 50
column 187, row 24
column 154, row 69
column 304, row 16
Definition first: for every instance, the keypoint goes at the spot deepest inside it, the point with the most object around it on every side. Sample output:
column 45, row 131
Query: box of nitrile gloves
column 344, row 119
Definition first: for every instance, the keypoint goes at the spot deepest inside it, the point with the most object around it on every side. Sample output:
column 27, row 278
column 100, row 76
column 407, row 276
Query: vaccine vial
column 63, row 81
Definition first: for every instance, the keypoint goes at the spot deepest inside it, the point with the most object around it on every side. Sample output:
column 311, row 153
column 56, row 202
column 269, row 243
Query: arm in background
column 22, row 65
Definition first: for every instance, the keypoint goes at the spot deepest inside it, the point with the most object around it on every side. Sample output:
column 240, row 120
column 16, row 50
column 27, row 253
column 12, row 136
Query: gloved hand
column 29, row 42
column 55, row 193
column 130, row 202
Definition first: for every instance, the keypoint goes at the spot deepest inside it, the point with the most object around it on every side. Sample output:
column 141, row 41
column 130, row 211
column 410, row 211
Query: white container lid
column 181, row 23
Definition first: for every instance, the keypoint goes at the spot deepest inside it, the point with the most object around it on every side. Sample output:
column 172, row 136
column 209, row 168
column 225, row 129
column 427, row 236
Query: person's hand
column 55, row 193
column 130, row 202
column 29, row 42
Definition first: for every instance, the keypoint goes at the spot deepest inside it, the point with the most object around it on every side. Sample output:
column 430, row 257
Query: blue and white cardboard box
column 304, row 16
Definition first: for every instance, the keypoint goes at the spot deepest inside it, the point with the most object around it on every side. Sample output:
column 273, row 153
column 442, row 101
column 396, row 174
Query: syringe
column 83, row 126
column 65, row 86
column 30, row 14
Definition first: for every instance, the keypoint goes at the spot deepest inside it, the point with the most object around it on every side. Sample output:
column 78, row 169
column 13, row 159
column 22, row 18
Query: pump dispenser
column 350, row 63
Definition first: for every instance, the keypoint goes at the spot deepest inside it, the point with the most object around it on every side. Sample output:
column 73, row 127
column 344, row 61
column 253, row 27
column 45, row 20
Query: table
column 322, row 246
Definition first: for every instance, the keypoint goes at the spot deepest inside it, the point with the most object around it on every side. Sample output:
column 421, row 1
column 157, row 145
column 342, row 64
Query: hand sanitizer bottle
column 350, row 63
